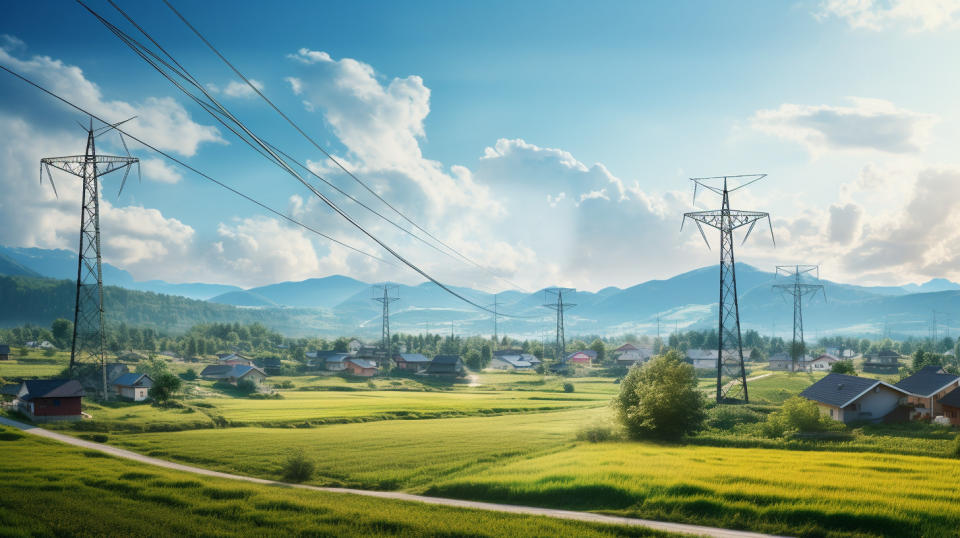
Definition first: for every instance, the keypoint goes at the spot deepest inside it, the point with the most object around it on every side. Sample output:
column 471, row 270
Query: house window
column 831, row 414
column 56, row 403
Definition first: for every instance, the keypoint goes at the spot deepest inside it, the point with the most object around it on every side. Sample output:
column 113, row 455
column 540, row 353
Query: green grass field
column 34, row 364
column 50, row 489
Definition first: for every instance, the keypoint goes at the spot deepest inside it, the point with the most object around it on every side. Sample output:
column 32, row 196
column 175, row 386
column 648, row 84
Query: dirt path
column 589, row 517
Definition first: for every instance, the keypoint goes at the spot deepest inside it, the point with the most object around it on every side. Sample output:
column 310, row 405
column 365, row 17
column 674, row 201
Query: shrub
column 164, row 387
column 597, row 433
column 568, row 387
column 798, row 415
column 843, row 367
column 189, row 375
column 725, row 417
column 287, row 384
column 246, row 386
column 660, row 399
column 298, row 467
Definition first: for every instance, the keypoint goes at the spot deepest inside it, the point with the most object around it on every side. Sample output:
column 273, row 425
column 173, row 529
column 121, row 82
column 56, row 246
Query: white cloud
column 917, row 15
column 844, row 223
column 868, row 124
column 296, row 85
column 242, row 89
column 157, row 169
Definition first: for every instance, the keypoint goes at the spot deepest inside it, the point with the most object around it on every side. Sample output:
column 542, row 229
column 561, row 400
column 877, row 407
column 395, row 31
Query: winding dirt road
column 589, row 517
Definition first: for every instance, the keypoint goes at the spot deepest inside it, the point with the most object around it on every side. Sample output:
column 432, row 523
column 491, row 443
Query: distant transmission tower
column 559, row 305
column 386, row 294
column 495, row 316
column 798, row 290
column 731, row 376
column 88, row 335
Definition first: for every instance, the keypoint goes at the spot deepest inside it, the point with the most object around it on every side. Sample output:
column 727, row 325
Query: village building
column 271, row 365
column 703, row 359
column 447, row 365
column 780, row 361
column 509, row 362
column 848, row 398
column 414, row 362
column 823, row 363
column 235, row 359
column 134, row 387
column 233, row 373
column 883, row 362
column 4, row 352
column 951, row 407
column 926, row 388
column 361, row 367
column 46, row 400
column 629, row 354
column 43, row 344
column 583, row 357
column 336, row 362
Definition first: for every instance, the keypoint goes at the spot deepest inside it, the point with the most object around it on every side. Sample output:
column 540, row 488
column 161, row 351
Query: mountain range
column 336, row 305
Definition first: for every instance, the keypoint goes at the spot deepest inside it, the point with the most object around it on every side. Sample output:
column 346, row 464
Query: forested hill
column 41, row 300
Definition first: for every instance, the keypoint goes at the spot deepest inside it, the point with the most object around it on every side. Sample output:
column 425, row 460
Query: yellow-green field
column 50, row 489
column 34, row 364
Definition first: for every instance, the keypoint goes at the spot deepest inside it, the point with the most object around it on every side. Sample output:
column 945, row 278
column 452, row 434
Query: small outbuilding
column 447, row 365
column 46, row 400
column 361, row 367
column 410, row 361
column 583, row 357
column 134, row 386
column 848, row 398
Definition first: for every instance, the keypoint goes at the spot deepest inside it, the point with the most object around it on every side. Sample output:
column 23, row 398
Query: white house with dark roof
column 848, row 398
column 133, row 386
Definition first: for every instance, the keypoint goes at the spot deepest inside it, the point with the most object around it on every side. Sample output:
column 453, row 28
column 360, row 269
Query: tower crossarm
column 74, row 164
column 715, row 218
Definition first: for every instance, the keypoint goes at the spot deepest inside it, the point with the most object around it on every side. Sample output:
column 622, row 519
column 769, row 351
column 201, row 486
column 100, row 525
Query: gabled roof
column 514, row 360
column 4, row 349
column 337, row 357
column 445, row 359
column 411, row 357
column 10, row 390
column 827, row 357
column 499, row 352
column 701, row 354
column 132, row 379
column 932, row 369
column 216, row 370
column 952, row 398
column 240, row 370
column 625, row 347
column 51, row 388
column 840, row 390
column 588, row 352
column 363, row 363
column 926, row 382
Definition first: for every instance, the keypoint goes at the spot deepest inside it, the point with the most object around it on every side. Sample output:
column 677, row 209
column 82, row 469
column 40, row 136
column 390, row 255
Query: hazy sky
column 550, row 142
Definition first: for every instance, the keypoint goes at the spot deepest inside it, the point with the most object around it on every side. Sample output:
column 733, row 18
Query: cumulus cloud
column 872, row 124
column 917, row 15
column 242, row 89
column 157, row 169
column 844, row 222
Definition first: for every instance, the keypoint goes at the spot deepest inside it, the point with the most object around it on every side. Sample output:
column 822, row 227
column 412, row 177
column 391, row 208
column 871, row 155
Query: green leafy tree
column 164, row 387
column 155, row 367
column 341, row 344
column 660, row 400
column 62, row 332
column 601, row 349
column 473, row 360
column 843, row 367
column 486, row 355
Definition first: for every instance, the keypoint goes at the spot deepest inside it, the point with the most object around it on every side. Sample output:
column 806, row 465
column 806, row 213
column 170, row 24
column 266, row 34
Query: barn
column 46, row 400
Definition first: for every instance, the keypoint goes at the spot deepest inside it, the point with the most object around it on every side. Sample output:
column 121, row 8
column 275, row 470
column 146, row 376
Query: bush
column 298, row 467
column 798, row 415
column 284, row 385
column 660, row 399
column 568, row 387
column 597, row 433
column 371, row 384
column 843, row 367
column 164, row 387
column 189, row 375
column 725, row 417
column 246, row 386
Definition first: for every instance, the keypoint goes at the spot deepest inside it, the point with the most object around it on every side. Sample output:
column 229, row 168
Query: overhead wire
column 193, row 169
column 275, row 158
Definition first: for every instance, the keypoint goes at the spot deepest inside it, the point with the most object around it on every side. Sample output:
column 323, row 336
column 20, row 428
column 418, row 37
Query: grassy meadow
column 50, row 489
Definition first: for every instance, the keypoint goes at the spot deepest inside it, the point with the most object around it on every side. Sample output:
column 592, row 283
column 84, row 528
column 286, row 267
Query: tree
column 473, row 360
column 843, row 367
column 601, row 349
column 164, row 387
column 154, row 367
column 660, row 400
column 62, row 332
column 486, row 355
column 340, row 345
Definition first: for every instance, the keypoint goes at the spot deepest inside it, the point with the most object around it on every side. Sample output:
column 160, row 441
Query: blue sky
column 550, row 141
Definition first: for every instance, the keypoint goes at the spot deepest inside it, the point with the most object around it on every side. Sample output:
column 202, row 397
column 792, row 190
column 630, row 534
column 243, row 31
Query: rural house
column 447, row 365
column 235, row 359
column 134, row 387
column 926, row 388
column 823, row 363
column 849, row 398
column 883, row 362
column 629, row 354
column 513, row 361
column 410, row 361
column 4, row 352
column 361, row 367
column 703, row 359
column 583, row 357
column 46, row 400
column 336, row 362
column 233, row 373
column 951, row 407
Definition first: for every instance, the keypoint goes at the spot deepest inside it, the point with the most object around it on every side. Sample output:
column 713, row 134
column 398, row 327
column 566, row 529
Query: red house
column 361, row 367
column 46, row 400
column 582, row 357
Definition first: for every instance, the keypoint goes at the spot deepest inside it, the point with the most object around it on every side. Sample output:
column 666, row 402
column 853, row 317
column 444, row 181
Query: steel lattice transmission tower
column 494, row 306
column 798, row 290
column 386, row 294
column 559, row 305
column 88, row 335
column 731, row 376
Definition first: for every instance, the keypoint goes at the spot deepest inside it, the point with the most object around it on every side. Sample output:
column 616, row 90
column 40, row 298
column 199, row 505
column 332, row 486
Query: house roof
column 952, row 398
column 588, row 352
column 926, row 382
column 840, row 390
column 131, row 379
column 695, row 354
column 52, row 388
column 515, row 360
column 827, row 357
column 445, row 359
column 363, row 363
column 411, row 357
column 240, row 370
column 337, row 357
column 499, row 352
column 216, row 370
column 625, row 347
column 10, row 390
column 4, row 349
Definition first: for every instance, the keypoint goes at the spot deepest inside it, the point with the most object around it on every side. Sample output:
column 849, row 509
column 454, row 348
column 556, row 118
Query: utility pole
column 731, row 375
column 89, row 339
column 559, row 305
column 386, row 294
column 798, row 289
